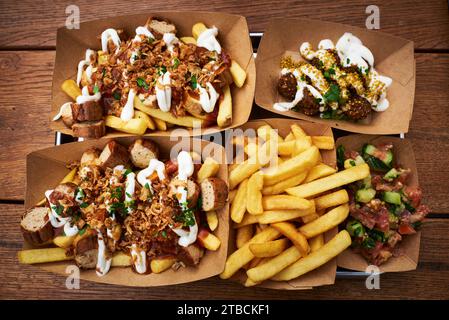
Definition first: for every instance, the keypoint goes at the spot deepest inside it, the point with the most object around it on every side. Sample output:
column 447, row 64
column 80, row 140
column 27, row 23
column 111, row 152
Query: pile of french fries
column 151, row 118
column 283, row 200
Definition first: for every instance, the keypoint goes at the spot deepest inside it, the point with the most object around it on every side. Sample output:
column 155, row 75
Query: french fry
column 266, row 132
column 331, row 200
column 224, row 117
column 315, row 259
column 297, row 131
column 290, row 231
column 273, row 216
column 208, row 240
column 71, row 89
column 330, row 182
column 251, row 148
column 316, row 242
column 319, row 171
column 212, row 220
column 309, row 218
column 285, row 184
column 159, row 265
column 103, row 57
column 238, row 74
column 69, row 177
column 301, row 145
column 323, row 142
column 243, row 255
column 254, row 194
column 289, row 137
column 274, row 265
column 326, row 222
column 188, row 40
column 142, row 115
column 63, row 241
column 253, row 263
column 269, row 248
column 121, row 259
column 160, row 124
column 243, row 235
column 231, row 195
column 249, row 283
column 133, row 126
column 156, row 113
column 209, row 168
column 291, row 167
column 285, row 202
column 45, row 255
column 286, row 148
column 197, row 29
column 238, row 205
column 247, row 220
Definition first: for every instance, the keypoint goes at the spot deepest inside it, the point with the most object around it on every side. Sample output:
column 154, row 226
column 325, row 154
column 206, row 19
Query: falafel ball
column 287, row 86
column 357, row 108
column 309, row 104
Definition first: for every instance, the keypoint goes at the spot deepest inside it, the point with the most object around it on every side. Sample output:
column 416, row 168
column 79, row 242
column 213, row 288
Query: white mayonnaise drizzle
column 110, row 34
column 109, row 231
column 103, row 263
column 351, row 51
column 128, row 109
column 154, row 165
column 64, row 108
column 85, row 96
column 57, row 221
column 185, row 170
column 207, row 39
column 139, row 31
column 139, row 258
column 163, row 92
column 326, row 44
column 170, row 40
column 208, row 99
column 70, row 230
column 82, row 63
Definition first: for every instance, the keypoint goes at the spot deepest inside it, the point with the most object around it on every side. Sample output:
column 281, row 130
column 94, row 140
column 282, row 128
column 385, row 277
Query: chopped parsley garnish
column 96, row 89
column 58, row 209
column 103, row 73
column 175, row 63
column 333, row 114
column 333, row 94
column 127, row 171
column 161, row 70
column 352, row 162
column 150, row 40
column 318, row 100
column 117, row 95
column 82, row 231
column 187, row 216
column 327, row 74
column 303, row 78
column 118, row 208
column 164, row 233
column 84, row 205
column 348, row 61
column 117, row 193
column 147, row 186
column 193, row 82
column 141, row 83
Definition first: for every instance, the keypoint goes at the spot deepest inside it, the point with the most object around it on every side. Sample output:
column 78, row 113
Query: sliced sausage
column 142, row 151
column 88, row 111
column 159, row 26
column 214, row 192
column 86, row 250
column 89, row 129
column 113, row 154
column 36, row 227
column 191, row 255
column 90, row 157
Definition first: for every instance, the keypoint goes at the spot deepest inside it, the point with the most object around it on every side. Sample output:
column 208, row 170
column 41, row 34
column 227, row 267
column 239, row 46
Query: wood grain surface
column 27, row 44
column 29, row 23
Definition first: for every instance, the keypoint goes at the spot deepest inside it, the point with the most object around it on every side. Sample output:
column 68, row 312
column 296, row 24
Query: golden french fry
column 289, row 137
column 133, row 126
column 254, row 194
column 71, row 89
column 326, row 222
column 285, row 184
column 197, row 29
column 289, row 230
column 253, row 263
column 188, row 40
column 274, row 265
column 273, row 216
column 323, row 142
column 286, row 148
column 212, row 220
column 208, row 169
column 249, row 283
column 243, row 235
column 142, row 115
column 310, row 217
column 316, row 258
column 319, row 171
column 238, row 74
column 266, row 132
column 285, row 202
column 269, row 248
column 160, row 124
column 316, row 242
column 243, row 255
column 251, row 148
column 330, row 182
column 331, row 200
column 231, row 195
column 297, row 131
column 121, row 259
column 63, row 241
column 247, row 219
column 159, row 265
column 292, row 166
column 301, row 145
column 224, row 117
column 103, row 57
column 238, row 205
column 44, row 255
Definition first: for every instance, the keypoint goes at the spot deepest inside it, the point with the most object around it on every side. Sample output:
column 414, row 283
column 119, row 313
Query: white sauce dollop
column 170, row 40
column 64, row 108
column 163, row 92
column 154, row 165
column 110, row 34
column 128, row 109
column 103, row 263
column 207, row 39
column 139, row 258
column 82, row 63
column 130, row 186
column 208, row 99
column 57, row 221
column 85, row 96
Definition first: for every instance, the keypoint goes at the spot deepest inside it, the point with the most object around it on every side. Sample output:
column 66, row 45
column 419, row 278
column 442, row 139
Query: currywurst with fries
column 124, row 207
column 151, row 81
column 283, row 201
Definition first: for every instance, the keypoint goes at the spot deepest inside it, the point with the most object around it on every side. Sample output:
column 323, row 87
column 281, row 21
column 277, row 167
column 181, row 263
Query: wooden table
column 27, row 52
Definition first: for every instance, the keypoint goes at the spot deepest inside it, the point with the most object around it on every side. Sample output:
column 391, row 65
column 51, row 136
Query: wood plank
column 429, row 281
column 26, row 76
column 30, row 23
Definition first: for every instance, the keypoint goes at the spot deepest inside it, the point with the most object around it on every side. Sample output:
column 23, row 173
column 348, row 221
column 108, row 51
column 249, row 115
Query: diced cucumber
column 376, row 164
column 367, row 182
column 391, row 175
column 369, row 149
column 359, row 160
column 392, row 197
column 365, row 195
column 369, row 152
column 388, row 158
